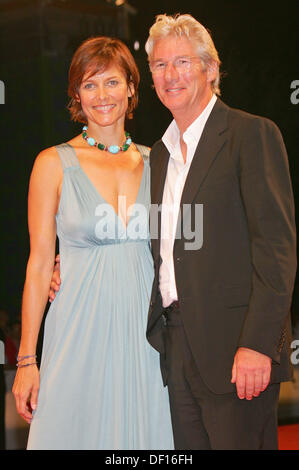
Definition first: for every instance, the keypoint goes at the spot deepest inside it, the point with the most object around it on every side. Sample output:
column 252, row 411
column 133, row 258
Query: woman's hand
column 25, row 390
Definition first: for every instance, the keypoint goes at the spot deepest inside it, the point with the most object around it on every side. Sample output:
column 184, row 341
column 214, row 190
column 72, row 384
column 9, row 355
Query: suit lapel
column 159, row 165
column 211, row 141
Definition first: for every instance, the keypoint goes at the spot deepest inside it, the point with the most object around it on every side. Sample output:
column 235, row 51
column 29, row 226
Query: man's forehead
column 174, row 45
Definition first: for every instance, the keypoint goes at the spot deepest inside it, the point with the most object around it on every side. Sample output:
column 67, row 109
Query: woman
column 100, row 382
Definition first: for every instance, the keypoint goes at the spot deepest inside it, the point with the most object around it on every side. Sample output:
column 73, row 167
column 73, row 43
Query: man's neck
column 185, row 119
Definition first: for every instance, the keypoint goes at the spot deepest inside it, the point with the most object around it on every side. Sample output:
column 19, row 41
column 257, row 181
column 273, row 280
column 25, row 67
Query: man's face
column 184, row 89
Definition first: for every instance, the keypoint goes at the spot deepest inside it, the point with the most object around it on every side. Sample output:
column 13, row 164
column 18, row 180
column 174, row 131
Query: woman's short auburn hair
column 94, row 55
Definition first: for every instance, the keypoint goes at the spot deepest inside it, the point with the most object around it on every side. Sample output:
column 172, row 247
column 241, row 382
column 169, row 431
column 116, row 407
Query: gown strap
column 144, row 150
column 67, row 156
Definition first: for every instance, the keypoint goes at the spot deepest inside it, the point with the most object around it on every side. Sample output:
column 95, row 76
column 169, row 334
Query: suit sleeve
column 267, row 196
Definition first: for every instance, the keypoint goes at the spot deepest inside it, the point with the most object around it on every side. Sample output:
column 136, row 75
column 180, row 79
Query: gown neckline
column 91, row 184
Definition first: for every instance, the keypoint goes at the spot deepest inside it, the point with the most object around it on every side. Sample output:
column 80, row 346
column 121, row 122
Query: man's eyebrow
column 175, row 57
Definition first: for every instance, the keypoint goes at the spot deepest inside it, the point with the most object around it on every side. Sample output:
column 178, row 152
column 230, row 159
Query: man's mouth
column 174, row 90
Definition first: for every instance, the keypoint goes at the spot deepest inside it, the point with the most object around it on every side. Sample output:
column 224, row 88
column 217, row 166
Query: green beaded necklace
column 112, row 148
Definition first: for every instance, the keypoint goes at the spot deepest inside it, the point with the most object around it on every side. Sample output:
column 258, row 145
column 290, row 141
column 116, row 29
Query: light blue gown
column 100, row 380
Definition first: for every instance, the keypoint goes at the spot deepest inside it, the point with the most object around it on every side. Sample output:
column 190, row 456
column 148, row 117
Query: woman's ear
column 77, row 97
column 131, row 90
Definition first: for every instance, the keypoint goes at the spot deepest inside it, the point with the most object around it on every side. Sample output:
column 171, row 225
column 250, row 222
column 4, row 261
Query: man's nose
column 171, row 72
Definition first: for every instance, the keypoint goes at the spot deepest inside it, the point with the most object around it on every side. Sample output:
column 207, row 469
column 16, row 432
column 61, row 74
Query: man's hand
column 251, row 373
column 55, row 281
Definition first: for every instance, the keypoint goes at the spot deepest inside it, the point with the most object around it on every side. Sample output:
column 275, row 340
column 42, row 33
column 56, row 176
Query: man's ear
column 212, row 70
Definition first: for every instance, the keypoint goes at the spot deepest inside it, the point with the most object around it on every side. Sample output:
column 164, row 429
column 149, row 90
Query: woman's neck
column 108, row 135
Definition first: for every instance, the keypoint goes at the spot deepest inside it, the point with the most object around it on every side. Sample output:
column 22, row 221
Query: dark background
column 257, row 43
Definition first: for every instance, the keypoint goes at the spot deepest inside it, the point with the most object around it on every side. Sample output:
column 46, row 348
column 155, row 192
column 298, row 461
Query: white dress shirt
column 177, row 172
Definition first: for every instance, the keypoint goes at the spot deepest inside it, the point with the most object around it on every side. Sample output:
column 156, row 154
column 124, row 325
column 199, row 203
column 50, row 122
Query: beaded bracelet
column 21, row 358
column 26, row 365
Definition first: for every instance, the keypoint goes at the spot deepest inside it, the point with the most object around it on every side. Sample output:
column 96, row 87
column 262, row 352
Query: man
column 219, row 313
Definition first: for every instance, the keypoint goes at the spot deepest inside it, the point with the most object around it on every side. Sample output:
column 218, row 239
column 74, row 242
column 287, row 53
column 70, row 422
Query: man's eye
column 182, row 62
column 160, row 65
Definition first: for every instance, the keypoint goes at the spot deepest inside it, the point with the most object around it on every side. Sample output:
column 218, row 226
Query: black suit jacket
column 236, row 289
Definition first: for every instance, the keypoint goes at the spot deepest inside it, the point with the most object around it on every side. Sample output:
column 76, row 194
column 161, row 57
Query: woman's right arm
column 43, row 200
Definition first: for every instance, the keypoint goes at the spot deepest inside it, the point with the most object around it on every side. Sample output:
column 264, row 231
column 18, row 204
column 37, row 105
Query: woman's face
column 104, row 96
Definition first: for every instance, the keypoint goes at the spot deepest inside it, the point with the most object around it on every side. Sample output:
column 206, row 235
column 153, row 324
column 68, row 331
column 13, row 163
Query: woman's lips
column 104, row 108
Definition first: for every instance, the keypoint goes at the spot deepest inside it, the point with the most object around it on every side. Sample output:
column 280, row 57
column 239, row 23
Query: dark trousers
column 202, row 419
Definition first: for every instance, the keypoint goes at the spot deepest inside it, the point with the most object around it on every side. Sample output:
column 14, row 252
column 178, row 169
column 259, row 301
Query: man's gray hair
column 186, row 25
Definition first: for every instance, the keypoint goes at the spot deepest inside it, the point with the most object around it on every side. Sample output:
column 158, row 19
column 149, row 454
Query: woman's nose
column 101, row 92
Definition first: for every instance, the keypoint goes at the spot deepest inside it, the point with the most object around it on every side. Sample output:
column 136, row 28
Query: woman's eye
column 113, row 82
column 88, row 85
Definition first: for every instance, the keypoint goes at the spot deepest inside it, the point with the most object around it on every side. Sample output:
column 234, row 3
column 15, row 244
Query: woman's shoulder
column 48, row 156
column 48, row 161
column 52, row 156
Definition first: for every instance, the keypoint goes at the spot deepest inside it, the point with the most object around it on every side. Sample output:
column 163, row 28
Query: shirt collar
column 171, row 137
column 196, row 127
